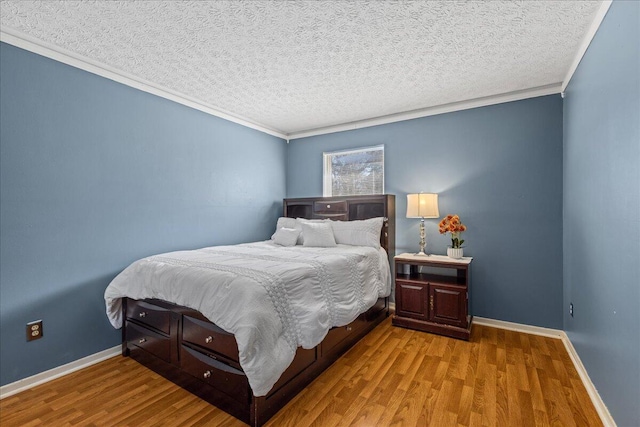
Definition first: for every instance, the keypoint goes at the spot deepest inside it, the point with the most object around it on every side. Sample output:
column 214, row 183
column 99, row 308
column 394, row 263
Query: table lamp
column 422, row 205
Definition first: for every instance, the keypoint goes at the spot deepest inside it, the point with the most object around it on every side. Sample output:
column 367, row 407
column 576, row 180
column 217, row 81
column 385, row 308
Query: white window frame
column 327, row 184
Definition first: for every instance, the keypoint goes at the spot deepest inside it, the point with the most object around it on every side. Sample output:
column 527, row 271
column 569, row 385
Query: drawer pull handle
column 142, row 314
column 208, row 339
column 348, row 328
column 431, row 303
column 328, row 206
column 142, row 340
column 207, row 374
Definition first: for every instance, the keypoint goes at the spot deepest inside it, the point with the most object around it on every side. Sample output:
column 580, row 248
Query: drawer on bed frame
column 149, row 315
column 338, row 335
column 149, row 340
column 209, row 337
column 223, row 377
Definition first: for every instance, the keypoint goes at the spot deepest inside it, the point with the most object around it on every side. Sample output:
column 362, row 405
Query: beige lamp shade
column 423, row 205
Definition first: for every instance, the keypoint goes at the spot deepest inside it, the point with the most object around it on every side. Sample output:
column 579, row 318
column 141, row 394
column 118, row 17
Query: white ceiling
column 295, row 66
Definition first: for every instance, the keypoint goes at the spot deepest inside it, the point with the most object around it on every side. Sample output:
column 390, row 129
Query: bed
column 250, row 358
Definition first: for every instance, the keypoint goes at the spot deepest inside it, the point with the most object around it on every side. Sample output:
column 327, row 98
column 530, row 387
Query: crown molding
column 600, row 14
column 32, row 44
column 435, row 110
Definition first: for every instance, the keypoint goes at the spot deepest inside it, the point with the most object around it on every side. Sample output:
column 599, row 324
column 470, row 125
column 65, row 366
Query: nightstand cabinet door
column 411, row 300
column 448, row 304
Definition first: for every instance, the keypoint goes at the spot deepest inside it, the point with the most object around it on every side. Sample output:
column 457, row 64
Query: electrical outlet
column 571, row 309
column 34, row 330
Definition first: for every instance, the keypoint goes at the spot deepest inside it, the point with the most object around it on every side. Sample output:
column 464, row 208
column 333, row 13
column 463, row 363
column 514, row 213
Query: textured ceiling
column 292, row 66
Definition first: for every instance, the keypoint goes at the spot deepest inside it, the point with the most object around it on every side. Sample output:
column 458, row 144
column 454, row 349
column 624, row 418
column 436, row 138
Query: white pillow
column 284, row 222
column 358, row 233
column 319, row 234
column 300, row 221
column 286, row 236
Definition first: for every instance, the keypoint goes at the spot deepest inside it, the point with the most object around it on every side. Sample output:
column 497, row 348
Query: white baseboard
column 601, row 408
column 518, row 327
column 604, row 413
column 52, row 374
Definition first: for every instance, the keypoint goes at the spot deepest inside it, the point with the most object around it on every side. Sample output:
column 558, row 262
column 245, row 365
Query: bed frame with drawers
column 180, row 343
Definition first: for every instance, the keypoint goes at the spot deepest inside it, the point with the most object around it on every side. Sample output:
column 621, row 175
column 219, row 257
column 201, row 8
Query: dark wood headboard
column 350, row 208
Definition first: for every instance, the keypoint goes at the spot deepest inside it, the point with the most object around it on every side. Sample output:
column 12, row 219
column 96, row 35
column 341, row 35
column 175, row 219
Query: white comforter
column 272, row 298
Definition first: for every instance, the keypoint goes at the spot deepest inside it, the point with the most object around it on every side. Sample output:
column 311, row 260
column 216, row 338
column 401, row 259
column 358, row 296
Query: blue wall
column 602, row 211
column 500, row 169
column 95, row 174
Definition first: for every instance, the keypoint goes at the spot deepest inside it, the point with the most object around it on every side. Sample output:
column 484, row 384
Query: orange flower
column 452, row 224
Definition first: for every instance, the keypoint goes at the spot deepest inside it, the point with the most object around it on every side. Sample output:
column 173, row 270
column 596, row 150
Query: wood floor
column 393, row 377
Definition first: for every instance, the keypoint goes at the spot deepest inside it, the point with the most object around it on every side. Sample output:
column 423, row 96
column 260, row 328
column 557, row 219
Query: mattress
column 274, row 299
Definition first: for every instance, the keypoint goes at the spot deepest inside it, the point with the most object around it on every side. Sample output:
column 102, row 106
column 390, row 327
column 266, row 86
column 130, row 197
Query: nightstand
column 432, row 294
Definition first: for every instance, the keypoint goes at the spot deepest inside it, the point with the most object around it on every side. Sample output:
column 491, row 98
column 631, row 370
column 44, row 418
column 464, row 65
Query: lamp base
column 423, row 241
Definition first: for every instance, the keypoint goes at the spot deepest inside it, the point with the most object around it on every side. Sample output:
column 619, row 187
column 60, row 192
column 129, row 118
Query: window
column 354, row 172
